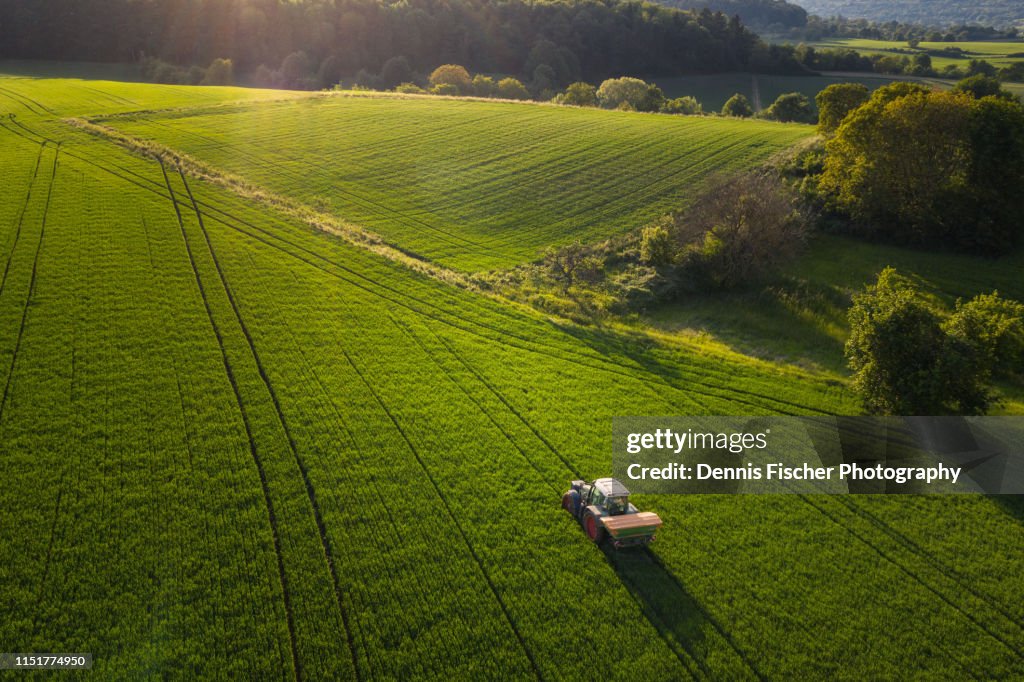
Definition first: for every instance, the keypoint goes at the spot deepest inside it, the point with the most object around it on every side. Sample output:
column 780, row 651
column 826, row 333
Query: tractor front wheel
column 595, row 531
column 571, row 502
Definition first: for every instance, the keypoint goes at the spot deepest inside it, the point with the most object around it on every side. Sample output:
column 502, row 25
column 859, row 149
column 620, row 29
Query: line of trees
column 586, row 39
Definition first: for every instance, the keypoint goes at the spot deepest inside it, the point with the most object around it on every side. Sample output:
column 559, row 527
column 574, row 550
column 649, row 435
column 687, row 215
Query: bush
column 740, row 230
column 791, row 107
column 220, row 72
column 639, row 95
column 994, row 327
column 454, row 75
column 688, row 106
column 579, row 95
column 484, row 86
column 510, row 88
column 738, row 106
column 656, row 246
column 903, row 361
column 446, row 89
column 410, row 89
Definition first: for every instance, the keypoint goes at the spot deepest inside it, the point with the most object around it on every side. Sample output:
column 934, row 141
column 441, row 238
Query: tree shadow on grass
column 686, row 627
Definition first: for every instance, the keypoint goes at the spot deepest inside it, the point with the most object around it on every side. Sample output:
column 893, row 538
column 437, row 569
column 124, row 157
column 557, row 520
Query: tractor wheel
column 595, row 531
column 571, row 502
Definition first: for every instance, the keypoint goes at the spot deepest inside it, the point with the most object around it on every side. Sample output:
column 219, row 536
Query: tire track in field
column 325, row 542
column 914, row 548
column 296, row 666
column 710, row 390
column 31, row 284
column 451, row 514
column 670, row 641
column 474, row 400
column 915, row 577
column 26, row 102
column 21, row 216
column 596, row 362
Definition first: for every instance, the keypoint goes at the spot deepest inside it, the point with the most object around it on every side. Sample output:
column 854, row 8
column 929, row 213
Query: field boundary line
column 325, row 542
column 272, row 517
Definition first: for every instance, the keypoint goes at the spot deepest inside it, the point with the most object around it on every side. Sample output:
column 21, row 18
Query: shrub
column 511, row 88
column 454, row 75
column 656, row 246
column 688, row 106
column 409, row 88
column 615, row 91
column 791, row 107
column 738, row 106
column 994, row 327
column 446, row 89
column 220, row 72
column 740, row 230
column 579, row 95
column 484, row 86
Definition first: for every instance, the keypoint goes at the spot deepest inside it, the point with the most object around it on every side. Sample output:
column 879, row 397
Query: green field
column 997, row 53
column 470, row 185
column 235, row 446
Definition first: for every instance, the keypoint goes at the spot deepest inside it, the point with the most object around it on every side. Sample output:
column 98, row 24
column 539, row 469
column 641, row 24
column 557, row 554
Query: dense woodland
column 591, row 39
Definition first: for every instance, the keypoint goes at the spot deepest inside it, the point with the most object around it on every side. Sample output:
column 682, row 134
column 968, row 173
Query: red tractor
column 604, row 511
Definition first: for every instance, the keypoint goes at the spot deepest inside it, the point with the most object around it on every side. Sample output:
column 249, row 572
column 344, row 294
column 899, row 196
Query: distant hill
column 759, row 14
column 999, row 13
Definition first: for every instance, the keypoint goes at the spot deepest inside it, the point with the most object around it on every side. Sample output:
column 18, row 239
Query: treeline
column 909, row 62
column 593, row 38
column 762, row 15
column 823, row 28
column 998, row 13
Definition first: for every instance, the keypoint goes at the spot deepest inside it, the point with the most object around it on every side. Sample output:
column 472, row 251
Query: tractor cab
column 610, row 496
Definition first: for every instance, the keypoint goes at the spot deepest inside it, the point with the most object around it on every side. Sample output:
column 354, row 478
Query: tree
column 454, row 75
column 836, row 101
column 930, row 167
column 739, row 106
column 688, row 106
column 656, row 246
column 220, row 72
column 579, row 95
column 739, row 230
column 484, row 86
column 511, row 88
column 615, row 92
column 445, row 90
column 978, row 86
column 296, row 70
column 791, row 107
column 903, row 362
column 570, row 264
column 980, row 66
column 395, row 71
column 994, row 327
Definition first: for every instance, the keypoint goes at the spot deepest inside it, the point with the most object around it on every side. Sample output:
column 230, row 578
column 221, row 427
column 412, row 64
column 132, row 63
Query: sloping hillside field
column 470, row 185
column 234, row 446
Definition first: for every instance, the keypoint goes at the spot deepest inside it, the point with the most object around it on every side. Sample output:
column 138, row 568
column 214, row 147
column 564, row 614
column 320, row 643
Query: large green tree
column 904, row 362
column 836, row 101
column 930, row 167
